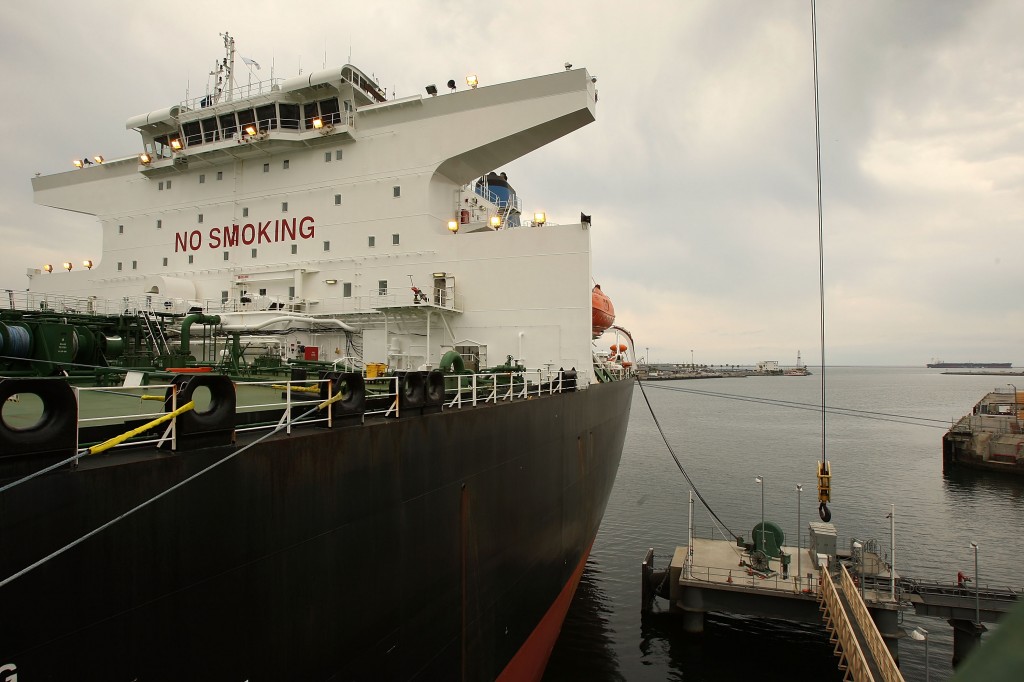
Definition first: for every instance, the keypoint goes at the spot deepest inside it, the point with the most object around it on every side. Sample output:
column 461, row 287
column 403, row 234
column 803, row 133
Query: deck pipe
column 187, row 323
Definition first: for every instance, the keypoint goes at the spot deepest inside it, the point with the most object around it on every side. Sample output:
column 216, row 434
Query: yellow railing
column 851, row 657
column 883, row 658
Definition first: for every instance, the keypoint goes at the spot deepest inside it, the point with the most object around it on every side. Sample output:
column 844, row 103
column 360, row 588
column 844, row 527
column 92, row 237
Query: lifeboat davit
column 603, row 315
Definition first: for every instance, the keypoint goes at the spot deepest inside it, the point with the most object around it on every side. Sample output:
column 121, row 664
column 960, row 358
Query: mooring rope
column 166, row 492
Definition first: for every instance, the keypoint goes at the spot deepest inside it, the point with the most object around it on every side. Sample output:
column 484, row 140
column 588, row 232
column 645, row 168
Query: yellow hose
column 117, row 440
column 304, row 389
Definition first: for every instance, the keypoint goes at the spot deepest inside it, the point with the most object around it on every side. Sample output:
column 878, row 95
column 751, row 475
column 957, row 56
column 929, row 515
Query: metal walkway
column 862, row 653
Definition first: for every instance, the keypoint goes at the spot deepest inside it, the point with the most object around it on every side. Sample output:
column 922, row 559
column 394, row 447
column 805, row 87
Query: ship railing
column 492, row 387
column 294, row 394
column 381, row 298
column 84, row 402
column 259, row 87
column 58, row 303
column 301, row 393
column 267, row 125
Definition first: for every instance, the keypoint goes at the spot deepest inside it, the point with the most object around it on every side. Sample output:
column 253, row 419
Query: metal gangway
column 862, row 652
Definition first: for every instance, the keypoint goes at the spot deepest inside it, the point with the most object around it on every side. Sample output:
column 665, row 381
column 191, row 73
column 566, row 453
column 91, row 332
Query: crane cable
column 824, row 470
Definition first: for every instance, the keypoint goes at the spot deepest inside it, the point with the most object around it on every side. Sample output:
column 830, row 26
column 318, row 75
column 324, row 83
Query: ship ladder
column 156, row 338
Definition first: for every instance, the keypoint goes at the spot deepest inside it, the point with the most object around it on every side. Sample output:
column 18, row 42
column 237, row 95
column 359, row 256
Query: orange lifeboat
column 603, row 315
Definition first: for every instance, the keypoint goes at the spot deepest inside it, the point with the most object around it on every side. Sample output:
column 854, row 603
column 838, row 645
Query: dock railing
column 883, row 658
column 752, row 579
column 837, row 622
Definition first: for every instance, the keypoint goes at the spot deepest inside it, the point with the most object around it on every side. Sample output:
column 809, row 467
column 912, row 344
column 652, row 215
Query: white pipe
column 521, row 348
column 245, row 327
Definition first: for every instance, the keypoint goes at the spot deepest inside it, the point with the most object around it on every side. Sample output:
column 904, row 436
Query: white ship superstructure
column 368, row 228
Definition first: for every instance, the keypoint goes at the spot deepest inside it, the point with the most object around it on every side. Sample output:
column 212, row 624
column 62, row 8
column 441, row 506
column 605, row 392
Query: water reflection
column 585, row 649
column 739, row 648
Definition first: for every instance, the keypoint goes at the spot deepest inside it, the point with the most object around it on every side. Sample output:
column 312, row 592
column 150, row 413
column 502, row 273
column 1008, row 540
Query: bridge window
column 382, row 287
column 295, row 249
column 228, row 125
column 289, row 115
column 192, row 132
column 346, row 290
column 210, row 130
column 267, row 117
column 245, row 117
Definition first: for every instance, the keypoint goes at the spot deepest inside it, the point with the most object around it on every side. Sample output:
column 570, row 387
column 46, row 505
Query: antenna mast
column 226, row 71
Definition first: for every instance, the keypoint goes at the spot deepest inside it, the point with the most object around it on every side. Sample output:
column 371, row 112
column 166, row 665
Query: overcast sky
column 699, row 171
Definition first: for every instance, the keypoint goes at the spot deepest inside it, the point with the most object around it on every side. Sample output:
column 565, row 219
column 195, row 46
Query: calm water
column 724, row 444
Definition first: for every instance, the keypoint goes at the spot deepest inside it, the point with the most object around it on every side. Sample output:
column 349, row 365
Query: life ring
column 57, row 426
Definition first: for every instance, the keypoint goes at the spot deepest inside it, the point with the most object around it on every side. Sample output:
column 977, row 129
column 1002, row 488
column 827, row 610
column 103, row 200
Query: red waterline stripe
column 531, row 659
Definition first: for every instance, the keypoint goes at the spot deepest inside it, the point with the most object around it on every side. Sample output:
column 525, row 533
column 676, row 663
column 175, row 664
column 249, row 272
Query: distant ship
column 939, row 364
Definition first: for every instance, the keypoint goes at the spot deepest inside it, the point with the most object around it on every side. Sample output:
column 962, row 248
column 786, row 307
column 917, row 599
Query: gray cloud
column 699, row 171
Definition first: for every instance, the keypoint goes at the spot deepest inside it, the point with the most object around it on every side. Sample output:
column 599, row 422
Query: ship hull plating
column 427, row 547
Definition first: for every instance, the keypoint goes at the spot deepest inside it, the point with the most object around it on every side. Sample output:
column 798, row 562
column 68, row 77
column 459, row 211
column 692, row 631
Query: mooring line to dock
column 679, row 464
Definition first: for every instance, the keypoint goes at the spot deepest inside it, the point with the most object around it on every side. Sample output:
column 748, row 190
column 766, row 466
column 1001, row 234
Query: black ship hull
column 441, row 546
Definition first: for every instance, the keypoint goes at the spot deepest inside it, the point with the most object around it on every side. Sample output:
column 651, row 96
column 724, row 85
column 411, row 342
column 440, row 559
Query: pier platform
column 858, row 598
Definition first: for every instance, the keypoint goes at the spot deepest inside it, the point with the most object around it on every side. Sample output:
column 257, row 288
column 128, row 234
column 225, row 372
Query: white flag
column 250, row 62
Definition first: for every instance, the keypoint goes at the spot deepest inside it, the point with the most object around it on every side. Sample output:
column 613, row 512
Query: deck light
column 330, row 281
column 539, row 218
column 318, row 123
column 432, row 90
column 495, row 221
column 67, row 266
column 471, row 80
column 145, row 159
column 87, row 264
column 77, row 163
column 48, row 268
column 250, row 130
column 453, row 226
column 176, row 144
column 439, row 275
column 98, row 158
